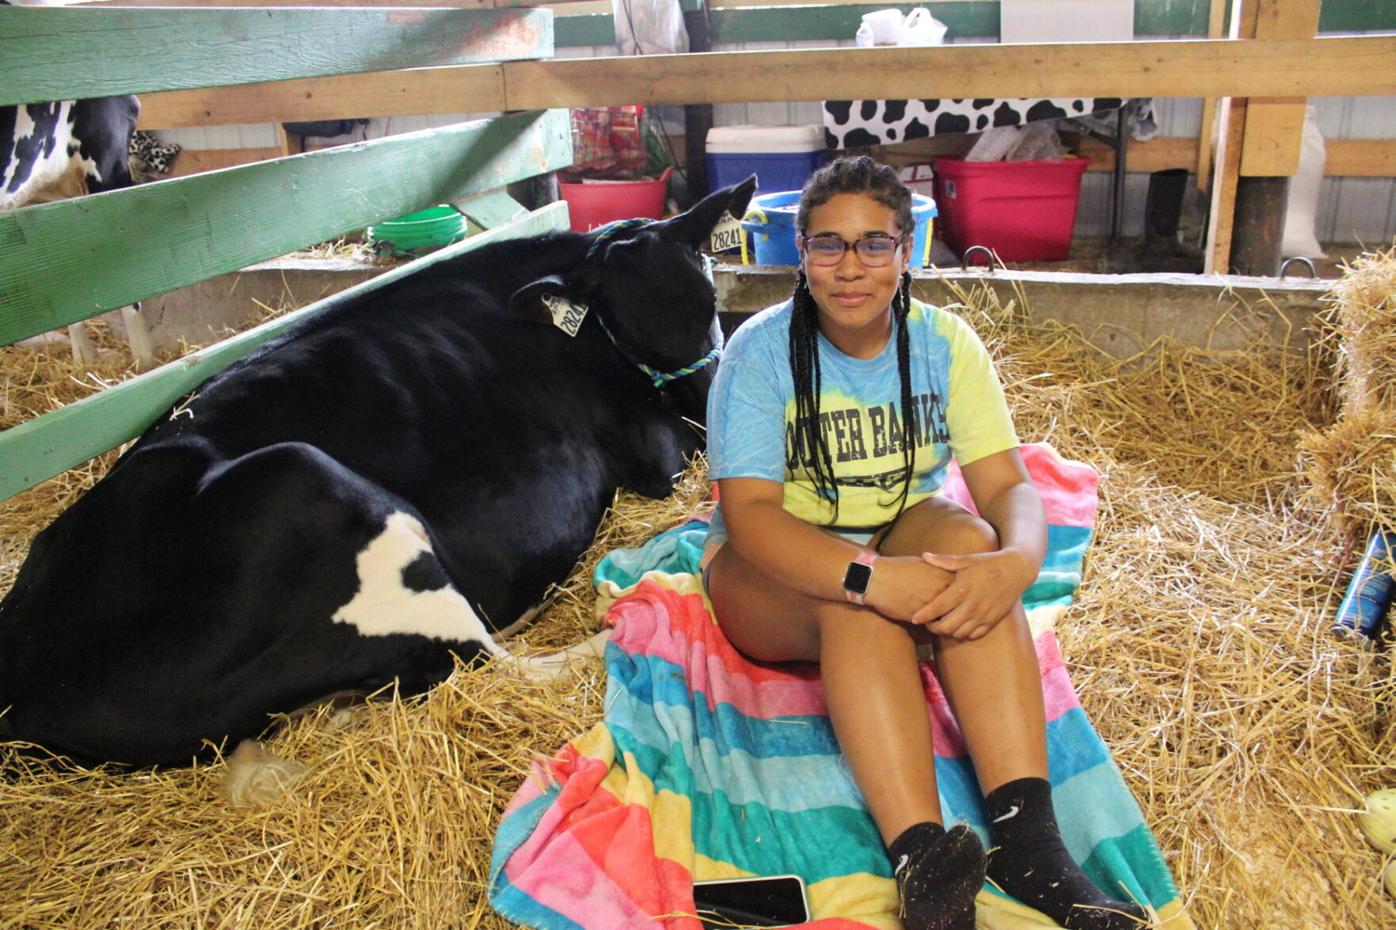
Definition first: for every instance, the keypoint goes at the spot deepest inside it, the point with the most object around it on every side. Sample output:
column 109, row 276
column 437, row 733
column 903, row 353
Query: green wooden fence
column 59, row 53
column 66, row 261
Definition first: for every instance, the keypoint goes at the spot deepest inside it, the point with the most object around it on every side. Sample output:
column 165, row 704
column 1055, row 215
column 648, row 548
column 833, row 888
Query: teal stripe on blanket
column 518, row 826
column 759, row 839
column 792, row 783
column 1134, row 861
column 514, row 905
column 651, row 703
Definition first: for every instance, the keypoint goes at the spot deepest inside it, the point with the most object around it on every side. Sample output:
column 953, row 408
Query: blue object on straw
column 1370, row 594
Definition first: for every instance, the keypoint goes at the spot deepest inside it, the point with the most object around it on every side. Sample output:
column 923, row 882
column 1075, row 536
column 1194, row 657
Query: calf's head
column 102, row 129
column 650, row 288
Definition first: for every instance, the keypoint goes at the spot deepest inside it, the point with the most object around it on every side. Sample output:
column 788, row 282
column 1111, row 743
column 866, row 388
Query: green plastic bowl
column 419, row 232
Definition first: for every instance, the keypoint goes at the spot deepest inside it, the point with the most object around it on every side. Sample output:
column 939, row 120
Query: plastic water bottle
column 1370, row 594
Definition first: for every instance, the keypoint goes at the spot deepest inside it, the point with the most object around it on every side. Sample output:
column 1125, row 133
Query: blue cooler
column 781, row 157
column 769, row 228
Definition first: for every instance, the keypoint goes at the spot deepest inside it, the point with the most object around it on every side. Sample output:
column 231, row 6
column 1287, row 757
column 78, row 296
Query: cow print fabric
column 854, row 123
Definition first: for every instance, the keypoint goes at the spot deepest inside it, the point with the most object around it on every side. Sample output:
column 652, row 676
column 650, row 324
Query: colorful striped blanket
column 708, row 766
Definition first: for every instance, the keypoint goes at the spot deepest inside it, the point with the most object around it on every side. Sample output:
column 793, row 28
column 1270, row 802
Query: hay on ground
column 1199, row 646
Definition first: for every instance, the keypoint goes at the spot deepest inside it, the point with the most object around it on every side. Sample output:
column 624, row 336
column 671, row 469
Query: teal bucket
column 769, row 227
column 420, row 232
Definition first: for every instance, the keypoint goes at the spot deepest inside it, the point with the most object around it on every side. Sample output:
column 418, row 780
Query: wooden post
column 697, row 118
column 1207, row 138
column 1259, row 225
column 1231, row 116
column 1269, row 149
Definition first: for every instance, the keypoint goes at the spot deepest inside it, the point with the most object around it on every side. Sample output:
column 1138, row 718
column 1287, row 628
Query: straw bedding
column 1200, row 647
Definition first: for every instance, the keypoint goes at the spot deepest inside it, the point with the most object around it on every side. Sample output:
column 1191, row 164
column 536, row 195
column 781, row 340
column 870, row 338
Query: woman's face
column 854, row 300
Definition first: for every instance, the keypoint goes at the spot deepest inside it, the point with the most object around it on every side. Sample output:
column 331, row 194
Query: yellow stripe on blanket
column 608, row 592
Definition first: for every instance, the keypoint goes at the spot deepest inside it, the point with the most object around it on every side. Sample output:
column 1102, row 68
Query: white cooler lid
column 724, row 140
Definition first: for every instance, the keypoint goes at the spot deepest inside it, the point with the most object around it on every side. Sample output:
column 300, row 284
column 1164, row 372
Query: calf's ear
column 696, row 224
column 527, row 302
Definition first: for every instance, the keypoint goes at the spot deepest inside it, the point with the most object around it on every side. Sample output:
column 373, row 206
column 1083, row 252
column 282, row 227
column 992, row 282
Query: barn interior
column 1242, row 420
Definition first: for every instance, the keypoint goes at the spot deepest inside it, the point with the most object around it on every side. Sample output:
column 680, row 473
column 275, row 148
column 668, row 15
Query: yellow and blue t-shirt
column 958, row 409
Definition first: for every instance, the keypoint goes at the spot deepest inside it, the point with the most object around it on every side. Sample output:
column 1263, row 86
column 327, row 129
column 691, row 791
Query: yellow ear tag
column 566, row 315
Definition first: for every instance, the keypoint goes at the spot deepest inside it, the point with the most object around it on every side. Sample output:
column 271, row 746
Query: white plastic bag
column 649, row 27
column 1299, row 238
column 1037, row 142
column 893, row 27
column 921, row 28
column 993, row 144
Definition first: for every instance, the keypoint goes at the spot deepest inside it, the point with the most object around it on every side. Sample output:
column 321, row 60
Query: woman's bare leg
column 872, row 685
column 992, row 683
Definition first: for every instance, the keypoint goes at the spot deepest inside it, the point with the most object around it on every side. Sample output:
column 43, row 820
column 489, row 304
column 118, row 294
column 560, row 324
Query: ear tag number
column 566, row 315
column 727, row 234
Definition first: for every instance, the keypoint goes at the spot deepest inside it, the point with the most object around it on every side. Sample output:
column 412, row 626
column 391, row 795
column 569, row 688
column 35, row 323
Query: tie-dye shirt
column 958, row 408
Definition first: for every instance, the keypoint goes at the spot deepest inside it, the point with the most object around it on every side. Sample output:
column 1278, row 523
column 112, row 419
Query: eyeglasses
column 874, row 250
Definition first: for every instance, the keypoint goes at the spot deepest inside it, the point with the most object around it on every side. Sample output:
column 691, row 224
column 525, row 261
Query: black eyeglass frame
column 855, row 246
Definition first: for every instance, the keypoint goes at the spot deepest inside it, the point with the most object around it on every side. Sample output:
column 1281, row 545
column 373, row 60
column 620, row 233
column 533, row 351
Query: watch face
column 857, row 577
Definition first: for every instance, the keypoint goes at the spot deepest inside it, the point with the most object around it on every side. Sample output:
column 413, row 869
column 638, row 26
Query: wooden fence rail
column 58, row 53
column 1190, row 68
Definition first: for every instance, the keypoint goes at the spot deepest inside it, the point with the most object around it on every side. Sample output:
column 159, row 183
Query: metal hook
column 993, row 258
column 1313, row 272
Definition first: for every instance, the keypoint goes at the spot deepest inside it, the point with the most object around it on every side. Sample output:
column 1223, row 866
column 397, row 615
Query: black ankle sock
column 1029, row 861
column 938, row 874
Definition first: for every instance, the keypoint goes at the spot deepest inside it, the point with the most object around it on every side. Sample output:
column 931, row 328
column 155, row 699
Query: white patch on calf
column 384, row 605
column 51, row 175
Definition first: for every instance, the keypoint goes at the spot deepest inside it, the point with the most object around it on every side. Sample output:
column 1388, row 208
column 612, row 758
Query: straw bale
column 1362, row 315
column 1351, row 465
column 1200, row 648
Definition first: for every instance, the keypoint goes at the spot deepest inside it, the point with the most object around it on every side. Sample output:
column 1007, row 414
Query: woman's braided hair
column 860, row 175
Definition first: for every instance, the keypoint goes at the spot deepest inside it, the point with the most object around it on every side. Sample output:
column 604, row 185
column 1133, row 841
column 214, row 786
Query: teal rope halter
column 657, row 378
column 660, row 378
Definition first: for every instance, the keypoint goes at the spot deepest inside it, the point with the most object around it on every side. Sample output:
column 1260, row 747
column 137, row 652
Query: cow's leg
column 84, row 350
column 560, row 664
column 138, row 337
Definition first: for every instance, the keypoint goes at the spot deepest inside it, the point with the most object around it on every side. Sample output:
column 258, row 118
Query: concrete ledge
column 1120, row 314
column 207, row 311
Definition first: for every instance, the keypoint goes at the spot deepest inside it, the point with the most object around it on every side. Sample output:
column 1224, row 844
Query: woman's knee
column 965, row 534
column 938, row 525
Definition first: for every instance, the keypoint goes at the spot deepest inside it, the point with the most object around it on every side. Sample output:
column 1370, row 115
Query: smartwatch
column 858, row 576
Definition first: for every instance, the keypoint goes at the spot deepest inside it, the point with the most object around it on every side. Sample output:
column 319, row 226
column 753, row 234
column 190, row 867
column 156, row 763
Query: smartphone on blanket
column 759, row 901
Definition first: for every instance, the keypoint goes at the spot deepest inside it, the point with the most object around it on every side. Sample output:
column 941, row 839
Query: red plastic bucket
column 601, row 202
column 1023, row 210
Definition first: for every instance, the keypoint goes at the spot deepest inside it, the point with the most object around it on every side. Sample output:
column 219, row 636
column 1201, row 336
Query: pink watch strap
column 865, row 557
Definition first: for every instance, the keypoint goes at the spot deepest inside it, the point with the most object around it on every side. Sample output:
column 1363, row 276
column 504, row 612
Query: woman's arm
column 986, row 586
column 813, row 561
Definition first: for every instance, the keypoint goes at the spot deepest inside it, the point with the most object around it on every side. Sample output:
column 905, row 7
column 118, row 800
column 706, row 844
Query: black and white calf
column 67, row 148
column 389, row 483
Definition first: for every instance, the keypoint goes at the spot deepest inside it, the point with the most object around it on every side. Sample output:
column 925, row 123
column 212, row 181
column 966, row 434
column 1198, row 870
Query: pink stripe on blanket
column 545, row 773
column 655, row 621
column 1069, row 490
column 572, row 884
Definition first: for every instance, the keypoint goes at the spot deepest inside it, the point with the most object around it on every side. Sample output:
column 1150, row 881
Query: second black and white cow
column 388, row 484
column 65, row 148
column 69, row 148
